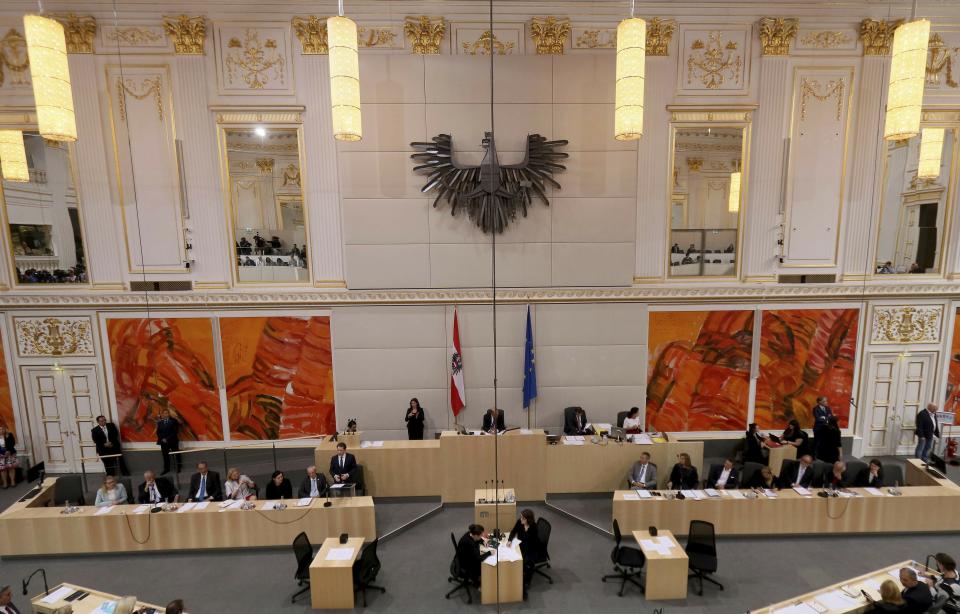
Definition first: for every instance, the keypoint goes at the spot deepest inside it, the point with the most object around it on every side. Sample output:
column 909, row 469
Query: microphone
column 483, row 499
column 43, row 573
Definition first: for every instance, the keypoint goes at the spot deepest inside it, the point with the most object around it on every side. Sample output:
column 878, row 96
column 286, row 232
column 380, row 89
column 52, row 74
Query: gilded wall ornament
column 79, row 32
column 188, row 34
column 291, row 175
column 940, row 60
column 265, row 165
column 694, row 164
column 378, row 37
column 903, row 324
column 811, row 88
column 826, row 39
column 147, row 87
column 549, row 34
column 425, row 34
column 312, row 33
column 659, row 34
column 487, row 44
column 713, row 62
column 66, row 336
column 599, row 38
column 255, row 61
column 877, row 36
column 13, row 57
column 776, row 33
column 133, row 36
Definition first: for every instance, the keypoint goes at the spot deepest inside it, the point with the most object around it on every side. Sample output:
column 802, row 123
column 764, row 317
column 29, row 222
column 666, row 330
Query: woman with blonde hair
column 890, row 599
column 111, row 493
column 239, row 487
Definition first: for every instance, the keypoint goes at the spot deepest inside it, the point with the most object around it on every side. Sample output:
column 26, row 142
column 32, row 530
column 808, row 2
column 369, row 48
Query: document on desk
column 876, row 492
column 226, row 505
column 736, row 494
column 104, row 510
column 642, row 438
column 803, row 492
column 769, row 493
column 836, row 600
column 712, row 492
column 142, row 509
column 526, row 431
column 339, row 554
column 643, row 494
column 202, row 505
column 693, row 494
column 661, row 545
column 335, row 486
column 574, row 440
column 57, row 595
column 631, row 496
column 304, row 502
column 371, row 444
column 186, row 507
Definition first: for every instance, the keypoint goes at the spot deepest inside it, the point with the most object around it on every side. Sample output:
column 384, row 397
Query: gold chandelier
column 50, row 73
column 13, row 157
column 931, row 148
column 907, row 73
column 631, row 60
column 344, row 77
column 733, row 204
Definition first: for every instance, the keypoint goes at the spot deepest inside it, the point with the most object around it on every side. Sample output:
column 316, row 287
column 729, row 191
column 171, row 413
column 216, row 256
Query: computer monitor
column 618, row 433
column 37, row 472
column 938, row 463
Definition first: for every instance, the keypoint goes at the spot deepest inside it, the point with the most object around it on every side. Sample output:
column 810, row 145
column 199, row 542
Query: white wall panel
column 383, row 221
column 581, row 324
column 388, row 266
column 379, row 327
column 593, row 264
column 388, row 368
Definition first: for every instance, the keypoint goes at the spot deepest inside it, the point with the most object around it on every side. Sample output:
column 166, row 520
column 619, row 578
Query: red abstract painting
column 6, row 401
column 952, row 402
column 805, row 353
column 699, row 370
column 279, row 373
column 165, row 364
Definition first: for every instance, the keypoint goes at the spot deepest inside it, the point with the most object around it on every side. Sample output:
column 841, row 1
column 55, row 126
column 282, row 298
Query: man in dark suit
column 723, row 476
column 928, row 429
column 343, row 465
column 205, row 484
column 871, row 475
column 313, row 485
column 168, row 438
column 107, row 439
column 154, row 489
column 797, row 473
column 575, row 423
column 915, row 593
column 468, row 553
column 6, row 601
column 821, row 415
column 489, row 421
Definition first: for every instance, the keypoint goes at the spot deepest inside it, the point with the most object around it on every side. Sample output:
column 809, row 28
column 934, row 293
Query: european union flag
column 529, row 367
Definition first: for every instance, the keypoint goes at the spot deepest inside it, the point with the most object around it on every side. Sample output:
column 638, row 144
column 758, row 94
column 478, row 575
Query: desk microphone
column 327, row 502
column 43, row 573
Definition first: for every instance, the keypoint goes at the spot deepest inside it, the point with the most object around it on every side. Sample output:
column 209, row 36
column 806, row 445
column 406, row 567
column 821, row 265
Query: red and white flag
column 457, row 397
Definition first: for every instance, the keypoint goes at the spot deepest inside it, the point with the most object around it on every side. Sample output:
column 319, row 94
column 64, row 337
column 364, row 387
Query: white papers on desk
column 574, row 440
column 202, row 505
column 270, row 505
column 736, row 494
column 526, row 431
column 693, row 494
column 799, row 608
column 660, row 545
column 836, row 600
column 104, row 510
column 846, row 494
column 107, row 607
column 631, row 496
column 643, row 494
column 57, row 595
column 186, row 507
column 226, row 505
column 336, row 486
column 769, row 493
column 503, row 553
column 642, row 438
column 339, row 554
column 876, row 492
column 304, row 502
column 712, row 492
column 142, row 509
column 803, row 492
column 371, row 444
column 597, row 426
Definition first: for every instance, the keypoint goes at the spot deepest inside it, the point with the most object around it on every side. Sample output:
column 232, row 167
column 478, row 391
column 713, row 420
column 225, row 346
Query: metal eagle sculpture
column 491, row 193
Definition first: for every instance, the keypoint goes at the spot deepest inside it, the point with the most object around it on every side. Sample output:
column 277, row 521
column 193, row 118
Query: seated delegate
column 279, row 487
column 644, row 473
column 493, row 421
column 916, row 594
column 239, row 487
column 684, row 474
column 530, row 545
column 796, row 437
column 797, row 474
column 469, row 555
column 205, row 484
column 762, row 479
column 154, row 489
column 723, row 476
column 890, row 599
column 313, row 485
column 836, row 476
column 111, row 493
column 871, row 475
column 632, row 423
column 753, row 451
column 576, row 423
column 343, row 465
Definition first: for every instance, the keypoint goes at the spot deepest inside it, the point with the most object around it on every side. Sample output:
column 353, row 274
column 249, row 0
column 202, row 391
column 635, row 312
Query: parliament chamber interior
column 497, row 305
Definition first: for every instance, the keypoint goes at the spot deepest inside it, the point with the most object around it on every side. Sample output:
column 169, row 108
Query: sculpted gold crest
column 659, row 33
column 425, row 34
column 312, row 33
column 877, row 36
column 907, row 324
column 188, row 34
column 776, row 33
column 68, row 336
column 79, row 32
column 550, row 34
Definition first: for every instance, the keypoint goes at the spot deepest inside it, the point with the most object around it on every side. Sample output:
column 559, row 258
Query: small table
column 90, row 603
column 495, row 515
column 778, row 455
column 505, row 585
column 666, row 571
column 331, row 582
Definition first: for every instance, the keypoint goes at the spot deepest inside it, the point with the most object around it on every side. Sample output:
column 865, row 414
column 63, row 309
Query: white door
column 898, row 386
column 63, row 405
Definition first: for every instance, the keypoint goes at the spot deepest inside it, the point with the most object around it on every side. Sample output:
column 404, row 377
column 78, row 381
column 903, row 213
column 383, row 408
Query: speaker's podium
column 492, row 510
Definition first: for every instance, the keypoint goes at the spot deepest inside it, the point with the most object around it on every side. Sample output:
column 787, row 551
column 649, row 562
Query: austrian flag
column 457, row 397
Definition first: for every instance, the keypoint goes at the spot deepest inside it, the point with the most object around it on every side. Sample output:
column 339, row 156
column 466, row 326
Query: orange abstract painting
column 698, row 377
column 805, row 353
column 6, row 401
column 279, row 373
column 165, row 364
column 952, row 402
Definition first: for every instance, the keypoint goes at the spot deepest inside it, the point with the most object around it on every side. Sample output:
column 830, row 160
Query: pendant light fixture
column 907, row 73
column 931, row 148
column 13, row 157
column 50, row 73
column 631, row 69
column 344, row 77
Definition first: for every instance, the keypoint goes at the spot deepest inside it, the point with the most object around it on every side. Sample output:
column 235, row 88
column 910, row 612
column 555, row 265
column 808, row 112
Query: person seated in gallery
column 690, row 250
column 111, row 493
column 343, row 465
column 870, row 476
column 279, row 487
column 684, row 474
column 890, row 599
column 754, row 449
column 313, row 484
column 763, row 479
column 886, row 268
column 154, row 489
column 675, row 249
column 644, row 473
column 836, row 476
column 576, row 423
column 633, row 423
column 351, row 426
column 915, row 268
column 797, row 474
column 239, row 487
column 796, row 437
column 469, row 555
column 687, row 260
column 730, row 249
column 493, row 421
column 723, row 476
column 205, row 484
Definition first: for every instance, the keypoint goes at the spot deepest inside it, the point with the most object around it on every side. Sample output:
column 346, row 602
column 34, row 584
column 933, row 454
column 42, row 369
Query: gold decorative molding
column 58, row 337
column 425, row 34
column 776, row 33
column 940, row 60
column 291, row 175
column 265, row 165
column 694, row 164
column 133, row 36
column 713, row 62
column 877, row 36
column 549, row 34
column 811, row 88
column 659, row 34
column 826, row 39
column 13, row 57
column 312, row 33
column 79, row 32
column 188, row 33
column 255, row 61
column 902, row 324
column 595, row 38
column 383, row 37
column 234, row 115
column 700, row 114
column 487, row 44
column 146, row 87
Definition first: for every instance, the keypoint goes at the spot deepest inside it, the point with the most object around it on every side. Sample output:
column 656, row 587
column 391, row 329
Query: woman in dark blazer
column 684, row 475
column 414, row 420
column 530, row 545
column 279, row 487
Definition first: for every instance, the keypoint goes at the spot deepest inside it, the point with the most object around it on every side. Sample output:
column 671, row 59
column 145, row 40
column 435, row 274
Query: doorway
column 898, row 386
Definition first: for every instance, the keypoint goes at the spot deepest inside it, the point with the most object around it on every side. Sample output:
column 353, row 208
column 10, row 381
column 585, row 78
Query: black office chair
column 365, row 571
column 303, row 551
column 456, row 574
column 128, row 486
column 543, row 532
column 621, row 416
column 702, row 551
column 68, row 488
column 854, row 467
column 627, row 562
column 748, row 471
column 358, row 479
column 892, row 475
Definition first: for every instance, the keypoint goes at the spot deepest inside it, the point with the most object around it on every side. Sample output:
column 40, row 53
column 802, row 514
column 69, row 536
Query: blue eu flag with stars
column 529, row 367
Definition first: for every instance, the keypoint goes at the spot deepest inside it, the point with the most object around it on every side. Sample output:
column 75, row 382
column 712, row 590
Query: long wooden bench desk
column 46, row 604
column 31, row 528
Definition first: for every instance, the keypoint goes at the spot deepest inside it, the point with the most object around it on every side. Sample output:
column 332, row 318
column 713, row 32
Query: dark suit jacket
column 304, row 490
column 167, row 491
column 828, row 479
column 865, row 479
column 804, row 440
column 101, row 440
column 530, row 545
column 285, row 490
column 925, row 426
column 788, row 475
column 753, row 450
column 169, row 430
column 10, row 444
column 682, row 478
column 919, row 599
column 214, row 487
column 756, row 481
column 414, row 425
column 732, row 482
column 349, row 464
column 488, row 421
column 468, row 553
column 827, row 443
column 570, row 425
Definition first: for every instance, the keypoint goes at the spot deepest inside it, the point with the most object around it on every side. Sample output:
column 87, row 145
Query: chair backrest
column 454, row 540
column 892, row 474
column 621, row 416
column 704, row 478
column 820, row 469
column 303, row 551
column 358, row 479
column 616, row 532
column 543, row 533
column 748, row 471
column 128, row 486
column 367, row 566
column 854, row 467
column 702, row 539
column 568, row 413
column 68, row 488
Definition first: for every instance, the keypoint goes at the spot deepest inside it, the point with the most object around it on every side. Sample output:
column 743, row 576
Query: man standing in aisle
column 928, row 429
column 168, row 438
column 107, row 439
column 821, row 415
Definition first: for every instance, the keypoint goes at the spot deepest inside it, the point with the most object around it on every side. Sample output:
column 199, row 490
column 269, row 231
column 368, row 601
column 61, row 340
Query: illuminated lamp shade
column 931, row 148
column 733, row 205
column 631, row 59
column 344, row 78
column 13, row 157
column 907, row 73
column 47, row 52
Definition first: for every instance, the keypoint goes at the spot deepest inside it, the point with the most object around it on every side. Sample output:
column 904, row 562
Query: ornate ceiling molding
column 425, row 34
column 187, row 33
column 79, row 32
column 877, row 36
column 776, row 33
column 903, row 324
column 659, row 34
column 312, row 33
column 550, row 34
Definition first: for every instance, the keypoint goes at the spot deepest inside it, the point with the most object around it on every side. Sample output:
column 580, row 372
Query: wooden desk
column 399, row 468
column 495, row 515
column 778, row 455
column 666, row 576
column 502, row 583
column 915, row 474
column 467, row 460
column 791, row 514
column 849, row 593
column 331, row 582
column 44, row 530
column 88, row 604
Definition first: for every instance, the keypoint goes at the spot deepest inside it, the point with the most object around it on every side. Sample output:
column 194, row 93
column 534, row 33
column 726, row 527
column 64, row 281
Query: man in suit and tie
column 723, row 476
column 644, row 473
column 205, row 484
column 798, row 474
column 168, row 438
column 6, row 601
column 871, row 475
column 314, row 485
column 916, row 594
column 154, row 489
column 576, row 423
column 343, row 465
column 821, row 415
column 489, row 421
column 928, row 428
column 106, row 437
